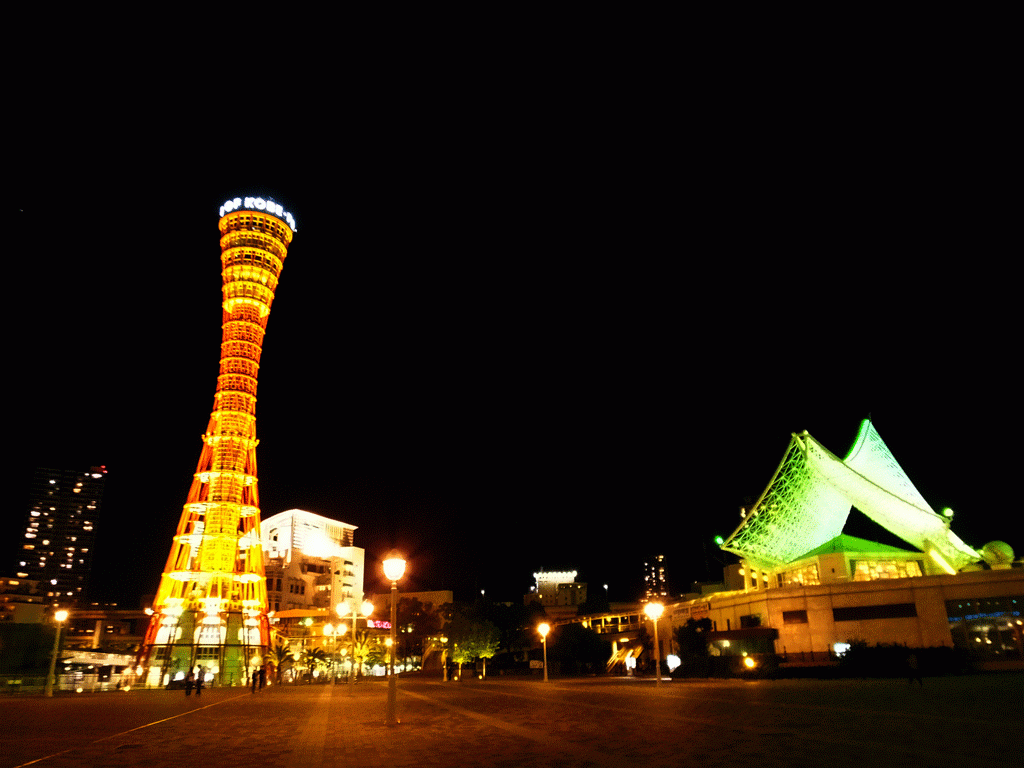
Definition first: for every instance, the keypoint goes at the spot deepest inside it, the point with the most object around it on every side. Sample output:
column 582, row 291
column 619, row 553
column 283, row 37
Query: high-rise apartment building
column 655, row 582
column 55, row 545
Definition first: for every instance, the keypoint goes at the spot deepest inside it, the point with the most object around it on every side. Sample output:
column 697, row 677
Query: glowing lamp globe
column 394, row 567
column 997, row 553
column 654, row 610
column 544, row 629
column 367, row 606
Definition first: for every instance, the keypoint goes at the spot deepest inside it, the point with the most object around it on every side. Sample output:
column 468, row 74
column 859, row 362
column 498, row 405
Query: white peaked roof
column 809, row 499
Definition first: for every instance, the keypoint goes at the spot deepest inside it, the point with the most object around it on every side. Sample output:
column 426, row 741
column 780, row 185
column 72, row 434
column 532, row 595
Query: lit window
column 870, row 570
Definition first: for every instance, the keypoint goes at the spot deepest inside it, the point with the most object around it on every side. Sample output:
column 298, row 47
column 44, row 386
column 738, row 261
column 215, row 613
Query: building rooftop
column 845, row 543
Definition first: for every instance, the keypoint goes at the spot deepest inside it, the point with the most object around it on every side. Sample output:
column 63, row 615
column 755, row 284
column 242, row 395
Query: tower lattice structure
column 210, row 610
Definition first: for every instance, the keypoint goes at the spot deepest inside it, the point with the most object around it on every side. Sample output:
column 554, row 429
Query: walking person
column 913, row 673
column 199, row 682
column 190, row 680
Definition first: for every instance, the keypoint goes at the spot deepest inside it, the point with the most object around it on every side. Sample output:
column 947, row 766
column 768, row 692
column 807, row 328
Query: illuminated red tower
column 211, row 608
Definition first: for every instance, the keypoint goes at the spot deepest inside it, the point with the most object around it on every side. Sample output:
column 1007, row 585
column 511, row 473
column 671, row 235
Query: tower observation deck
column 210, row 610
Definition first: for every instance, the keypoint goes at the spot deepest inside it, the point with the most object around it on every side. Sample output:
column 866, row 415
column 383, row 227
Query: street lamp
column 333, row 633
column 342, row 609
column 654, row 611
column 394, row 569
column 544, row 629
column 60, row 617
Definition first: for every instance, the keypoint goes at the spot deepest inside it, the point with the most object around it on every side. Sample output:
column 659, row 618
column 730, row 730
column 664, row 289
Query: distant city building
column 54, row 546
column 557, row 590
column 21, row 601
column 310, row 561
column 107, row 629
column 655, row 583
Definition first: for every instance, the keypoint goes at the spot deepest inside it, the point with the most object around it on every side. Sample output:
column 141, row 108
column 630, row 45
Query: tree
column 580, row 649
column 462, row 653
column 517, row 624
column 367, row 649
column 471, row 639
column 487, row 642
column 314, row 658
column 691, row 640
column 417, row 622
column 280, row 654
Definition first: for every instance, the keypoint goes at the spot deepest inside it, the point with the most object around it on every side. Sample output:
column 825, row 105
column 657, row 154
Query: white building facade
column 310, row 561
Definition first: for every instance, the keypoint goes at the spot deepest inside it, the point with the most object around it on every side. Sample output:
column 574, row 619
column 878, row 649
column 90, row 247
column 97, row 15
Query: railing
column 22, row 683
column 611, row 629
column 808, row 657
column 11, row 684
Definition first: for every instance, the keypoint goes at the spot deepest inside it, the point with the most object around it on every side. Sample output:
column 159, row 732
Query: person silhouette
column 913, row 673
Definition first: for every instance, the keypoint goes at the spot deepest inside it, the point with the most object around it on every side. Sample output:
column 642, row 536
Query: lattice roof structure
column 812, row 492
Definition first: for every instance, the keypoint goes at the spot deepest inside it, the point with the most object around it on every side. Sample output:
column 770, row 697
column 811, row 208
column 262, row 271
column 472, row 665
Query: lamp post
column 544, row 629
column 394, row 569
column 330, row 632
column 654, row 611
column 342, row 609
column 60, row 617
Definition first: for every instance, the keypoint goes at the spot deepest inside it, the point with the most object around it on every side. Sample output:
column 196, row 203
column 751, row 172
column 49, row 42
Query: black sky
column 525, row 331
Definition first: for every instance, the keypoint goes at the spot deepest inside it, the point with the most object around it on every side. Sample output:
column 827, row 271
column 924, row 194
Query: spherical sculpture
column 997, row 553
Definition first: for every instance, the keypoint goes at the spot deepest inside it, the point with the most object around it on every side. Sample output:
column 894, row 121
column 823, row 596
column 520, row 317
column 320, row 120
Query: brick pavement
column 519, row 722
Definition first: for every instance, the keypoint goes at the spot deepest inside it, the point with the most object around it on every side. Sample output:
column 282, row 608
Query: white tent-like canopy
column 810, row 497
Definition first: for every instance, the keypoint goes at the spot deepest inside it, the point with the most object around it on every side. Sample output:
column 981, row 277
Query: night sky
column 541, row 334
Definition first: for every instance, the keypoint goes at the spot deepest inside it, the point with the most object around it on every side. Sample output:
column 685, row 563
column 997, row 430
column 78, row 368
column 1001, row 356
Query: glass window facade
column 988, row 628
column 800, row 577
column 870, row 570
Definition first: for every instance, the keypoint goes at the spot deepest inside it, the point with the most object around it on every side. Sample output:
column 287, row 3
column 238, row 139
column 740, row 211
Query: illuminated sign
column 378, row 624
column 696, row 612
column 258, row 204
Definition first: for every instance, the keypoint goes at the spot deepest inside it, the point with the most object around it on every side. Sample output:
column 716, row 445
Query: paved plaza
column 971, row 720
